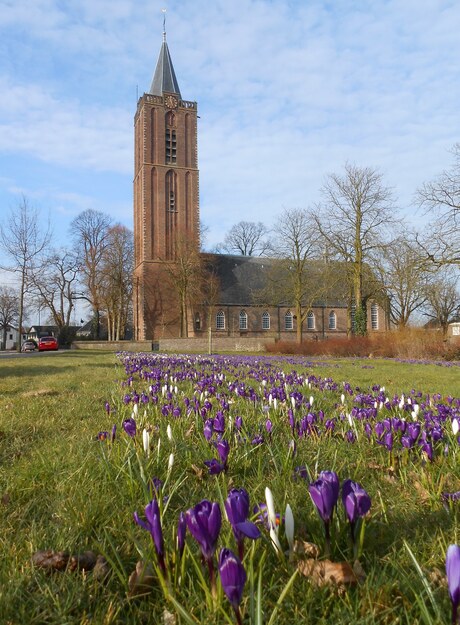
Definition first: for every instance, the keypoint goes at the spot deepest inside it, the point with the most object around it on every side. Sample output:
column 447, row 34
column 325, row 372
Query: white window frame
column 288, row 321
column 332, row 320
column 243, row 320
column 374, row 316
column 265, row 320
column 311, row 321
column 220, row 320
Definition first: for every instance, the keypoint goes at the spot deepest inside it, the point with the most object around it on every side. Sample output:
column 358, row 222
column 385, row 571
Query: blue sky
column 287, row 92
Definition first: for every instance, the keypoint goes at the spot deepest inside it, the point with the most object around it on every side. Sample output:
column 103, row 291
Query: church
column 166, row 242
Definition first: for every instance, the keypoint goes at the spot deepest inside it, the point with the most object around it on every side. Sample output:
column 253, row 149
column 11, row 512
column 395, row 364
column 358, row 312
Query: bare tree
column 116, row 284
column 405, row 278
column 9, row 311
column 90, row 231
column 353, row 219
column 246, row 238
column 23, row 240
column 53, row 281
column 295, row 279
column 443, row 297
column 184, row 273
column 441, row 198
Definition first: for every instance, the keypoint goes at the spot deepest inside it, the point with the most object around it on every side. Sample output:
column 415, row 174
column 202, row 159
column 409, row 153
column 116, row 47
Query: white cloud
column 287, row 92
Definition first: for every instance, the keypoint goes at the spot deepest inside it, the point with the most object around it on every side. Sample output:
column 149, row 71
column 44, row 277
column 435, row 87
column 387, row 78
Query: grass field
column 63, row 489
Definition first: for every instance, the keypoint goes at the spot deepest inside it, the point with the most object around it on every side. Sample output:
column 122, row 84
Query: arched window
column 374, row 316
column 310, row 320
column 288, row 321
column 197, row 321
column 265, row 321
column 220, row 320
column 243, row 320
column 170, row 138
column 332, row 320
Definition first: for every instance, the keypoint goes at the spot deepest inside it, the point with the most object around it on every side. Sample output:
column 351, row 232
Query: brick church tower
column 166, row 203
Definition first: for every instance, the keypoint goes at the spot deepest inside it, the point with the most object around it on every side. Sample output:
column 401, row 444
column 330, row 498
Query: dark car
column 47, row 343
column 29, row 346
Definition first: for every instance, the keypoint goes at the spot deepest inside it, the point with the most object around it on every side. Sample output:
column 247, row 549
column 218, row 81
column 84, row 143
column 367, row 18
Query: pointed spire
column 164, row 78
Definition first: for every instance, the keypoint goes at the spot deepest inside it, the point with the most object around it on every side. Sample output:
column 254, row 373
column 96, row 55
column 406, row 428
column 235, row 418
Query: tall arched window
column 265, row 321
column 288, row 321
column 332, row 320
column 310, row 320
column 220, row 320
column 243, row 320
column 170, row 138
column 374, row 316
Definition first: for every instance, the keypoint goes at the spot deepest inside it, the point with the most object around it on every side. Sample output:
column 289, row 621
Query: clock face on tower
column 171, row 101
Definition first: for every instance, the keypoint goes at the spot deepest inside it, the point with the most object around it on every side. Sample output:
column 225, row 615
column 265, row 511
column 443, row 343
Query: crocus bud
column 289, row 526
column 169, row 432
column 453, row 577
column 170, row 462
column 271, row 509
column 455, row 427
column 146, row 441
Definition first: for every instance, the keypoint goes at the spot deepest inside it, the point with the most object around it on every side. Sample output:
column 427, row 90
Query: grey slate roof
column 242, row 278
column 164, row 78
column 239, row 276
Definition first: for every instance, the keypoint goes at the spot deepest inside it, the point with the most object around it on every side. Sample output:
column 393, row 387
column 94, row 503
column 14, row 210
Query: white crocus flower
column 275, row 541
column 146, row 441
column 401, row 402
column 342, row 398
column 293, row 402
column 455, row 427
column 169, row 432
column 271, row 510
column 170, row 462
column 289, row 526
column 275, row 403
column 311, row 400
column 135, row 410
column 350, row 419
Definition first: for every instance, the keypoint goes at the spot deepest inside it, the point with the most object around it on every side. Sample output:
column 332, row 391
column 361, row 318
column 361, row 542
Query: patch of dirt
column 41, row 392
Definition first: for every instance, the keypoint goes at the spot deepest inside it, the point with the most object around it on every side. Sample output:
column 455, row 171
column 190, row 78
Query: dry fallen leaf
column 6, row 499
column 142, row 580
column 198, row 471
column 85, row 561
column 324, row 572
column 51, row 560
column 168, row 618
column 303, row 548
column 423, row 494
column 101, row 569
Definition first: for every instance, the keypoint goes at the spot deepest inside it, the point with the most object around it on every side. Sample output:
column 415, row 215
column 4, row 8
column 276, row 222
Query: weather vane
column 164, row 24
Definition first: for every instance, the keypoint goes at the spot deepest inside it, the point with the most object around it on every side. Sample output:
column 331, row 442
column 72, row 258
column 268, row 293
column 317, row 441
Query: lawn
column 256, row 421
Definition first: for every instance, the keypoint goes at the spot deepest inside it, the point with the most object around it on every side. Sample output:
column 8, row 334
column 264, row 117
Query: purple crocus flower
column 453, row 577
column 214, row 466
column 107, row 407
column 153, row 525
column 323, row 495
column 223, row 449
column 102, row 436
column 355, row 500
column 233, row 579
column 129, row 426
column 237, row 509
column 208, row 429
column 114, row 432
column 333, row 479
column 203, row 522
column 181, row 531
